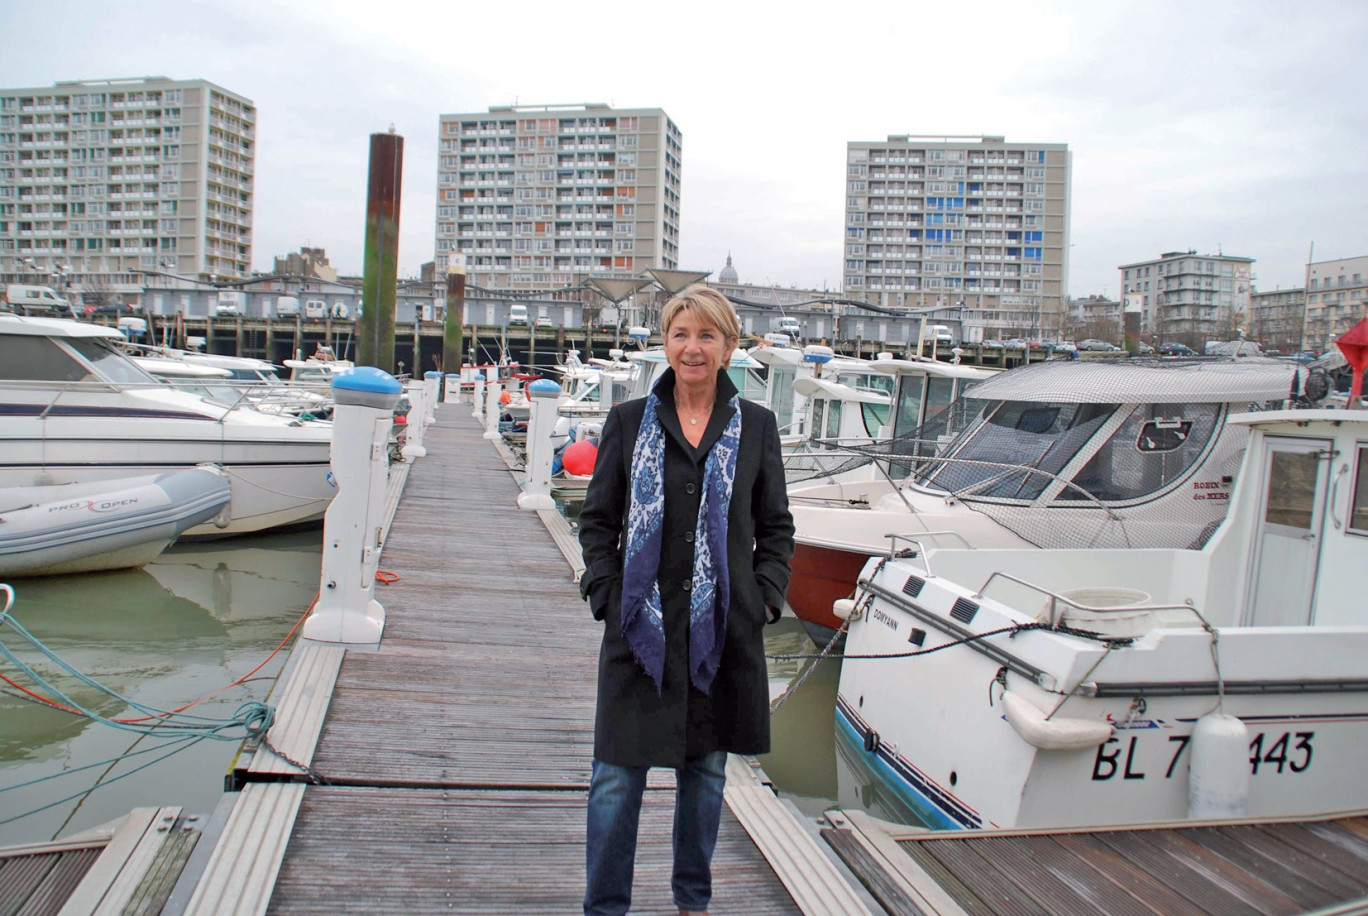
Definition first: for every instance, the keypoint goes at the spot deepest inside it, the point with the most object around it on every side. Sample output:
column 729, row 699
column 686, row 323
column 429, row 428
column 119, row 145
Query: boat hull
column 820, row 576
column 936, row 729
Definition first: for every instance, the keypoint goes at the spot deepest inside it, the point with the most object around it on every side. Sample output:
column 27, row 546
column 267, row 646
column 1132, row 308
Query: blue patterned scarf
column 643, row 625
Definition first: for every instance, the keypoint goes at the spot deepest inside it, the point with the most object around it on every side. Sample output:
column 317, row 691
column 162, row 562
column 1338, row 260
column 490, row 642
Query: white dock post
column 491, row 414
column 544, row 396
column 418, row 419
column 432, row 383
column 605, row 392
column 451, row 388
column 478, row 397
column 346, row 611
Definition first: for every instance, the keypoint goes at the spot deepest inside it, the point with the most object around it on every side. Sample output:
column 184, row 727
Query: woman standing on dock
column 687, row 538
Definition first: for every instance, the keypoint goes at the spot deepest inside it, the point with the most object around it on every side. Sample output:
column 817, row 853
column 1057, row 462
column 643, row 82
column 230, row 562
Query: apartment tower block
column 101, row 179
column 972, row 223
column 1190, row 298
column 540, row 197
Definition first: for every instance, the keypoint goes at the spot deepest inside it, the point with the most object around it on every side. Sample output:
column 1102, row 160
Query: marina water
column 191, row 623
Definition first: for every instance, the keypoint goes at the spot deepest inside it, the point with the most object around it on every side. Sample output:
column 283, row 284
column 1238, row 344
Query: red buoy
column 578, row 458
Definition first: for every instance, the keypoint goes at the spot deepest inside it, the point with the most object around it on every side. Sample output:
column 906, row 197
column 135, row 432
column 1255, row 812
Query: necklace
column 694, row 417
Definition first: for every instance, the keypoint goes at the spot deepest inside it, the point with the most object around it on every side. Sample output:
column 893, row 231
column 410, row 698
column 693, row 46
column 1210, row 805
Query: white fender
column 1057, row 734
column 1218, row 779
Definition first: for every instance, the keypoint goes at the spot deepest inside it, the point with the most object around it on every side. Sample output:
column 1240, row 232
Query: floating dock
column 448, row 768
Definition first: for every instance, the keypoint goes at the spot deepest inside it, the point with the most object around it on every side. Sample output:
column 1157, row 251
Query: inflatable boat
column 107, row 524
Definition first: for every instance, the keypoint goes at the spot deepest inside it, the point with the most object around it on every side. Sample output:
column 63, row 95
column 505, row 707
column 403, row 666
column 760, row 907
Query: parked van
column 790, row 326
column 20, row 297
column 940, row 333
column 315, row 308
column 287, row 307
column 231, row 302
column 517, row 314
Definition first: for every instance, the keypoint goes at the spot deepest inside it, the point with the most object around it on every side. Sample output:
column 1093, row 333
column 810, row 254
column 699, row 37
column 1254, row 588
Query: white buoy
column 1218, row 777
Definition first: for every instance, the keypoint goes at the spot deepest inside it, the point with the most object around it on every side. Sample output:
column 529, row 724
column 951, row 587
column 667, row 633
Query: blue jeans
column 614, row 810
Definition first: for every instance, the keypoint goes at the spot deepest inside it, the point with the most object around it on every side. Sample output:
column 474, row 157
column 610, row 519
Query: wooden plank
column 879, row 880
column 40, row 882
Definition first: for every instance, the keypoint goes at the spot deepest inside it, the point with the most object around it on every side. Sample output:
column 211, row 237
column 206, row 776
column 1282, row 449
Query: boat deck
column 452, row 761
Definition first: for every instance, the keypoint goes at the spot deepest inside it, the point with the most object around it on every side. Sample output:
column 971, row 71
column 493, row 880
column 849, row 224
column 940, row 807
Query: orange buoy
column 505, row 397
column 578, row 458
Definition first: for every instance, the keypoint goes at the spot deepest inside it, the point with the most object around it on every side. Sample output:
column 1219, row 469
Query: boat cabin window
column 1292, row 489
column 818, row 417
column 1156, row 445
column 781, row 395
column 1358, row 512
column 749, row 384
column 833, row 419
column 110, row 363
column 875, row 417
column 38, row 359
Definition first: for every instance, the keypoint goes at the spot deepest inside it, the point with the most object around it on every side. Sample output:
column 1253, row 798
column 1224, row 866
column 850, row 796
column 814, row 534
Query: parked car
column 544, row 322
column 1095, row 345
column 991, row 344
column 1176, row 349
column 1144, row 349
column 114, row 308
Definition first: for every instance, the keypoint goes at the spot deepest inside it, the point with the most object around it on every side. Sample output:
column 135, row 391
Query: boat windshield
column 110, row 364
column 1017, row 449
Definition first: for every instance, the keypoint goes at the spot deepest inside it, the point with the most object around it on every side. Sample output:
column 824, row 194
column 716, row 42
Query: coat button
column 688, row 537
column 686, row 584
column 690, row 489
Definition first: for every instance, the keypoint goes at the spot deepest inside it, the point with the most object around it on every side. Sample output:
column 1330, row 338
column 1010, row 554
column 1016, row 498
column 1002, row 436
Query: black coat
column 635, row 726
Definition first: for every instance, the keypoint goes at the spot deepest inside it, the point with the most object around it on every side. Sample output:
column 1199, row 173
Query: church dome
column 728, row 274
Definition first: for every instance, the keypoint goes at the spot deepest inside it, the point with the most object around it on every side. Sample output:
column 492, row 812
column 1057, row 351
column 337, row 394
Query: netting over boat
column 1135, row 454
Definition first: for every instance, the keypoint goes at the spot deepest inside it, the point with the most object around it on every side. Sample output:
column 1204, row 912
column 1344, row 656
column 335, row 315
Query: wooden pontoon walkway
column 1272, row 867
column 454, row 758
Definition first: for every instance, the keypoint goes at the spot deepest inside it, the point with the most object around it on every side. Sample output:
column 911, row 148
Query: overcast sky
column 1219, row 126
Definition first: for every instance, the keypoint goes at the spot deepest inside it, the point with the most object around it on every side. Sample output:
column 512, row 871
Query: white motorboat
column 852, row 408
column 1132, row 453
column 1048, row 688
column 114, row 524
column 74, row 409
column 801, row 383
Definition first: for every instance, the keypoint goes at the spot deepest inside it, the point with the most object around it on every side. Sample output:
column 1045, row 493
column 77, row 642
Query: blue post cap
column 432, row 375
column 543, row 388
column 367, row 386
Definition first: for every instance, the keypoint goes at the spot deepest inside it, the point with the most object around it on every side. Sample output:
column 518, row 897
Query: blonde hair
column 708, row 305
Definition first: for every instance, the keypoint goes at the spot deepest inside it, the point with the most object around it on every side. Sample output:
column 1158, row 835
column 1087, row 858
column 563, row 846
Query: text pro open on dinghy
column 74, row 408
